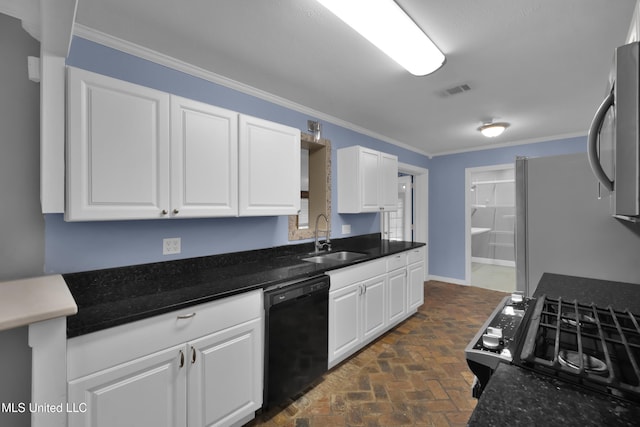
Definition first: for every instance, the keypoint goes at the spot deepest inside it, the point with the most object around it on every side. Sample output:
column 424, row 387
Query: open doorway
column 401, row 221
column 415, row 199
column 490, row 234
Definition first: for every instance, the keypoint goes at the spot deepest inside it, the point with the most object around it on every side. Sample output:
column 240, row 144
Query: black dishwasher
column 296, row 337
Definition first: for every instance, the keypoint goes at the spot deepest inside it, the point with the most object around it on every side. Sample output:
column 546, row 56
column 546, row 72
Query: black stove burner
column 574, row 360
column 574, row 319
column 590, row 346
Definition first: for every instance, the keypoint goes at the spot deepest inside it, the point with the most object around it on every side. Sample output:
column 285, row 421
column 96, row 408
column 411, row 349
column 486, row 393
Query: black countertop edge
column 116, row 296
column 517, row 396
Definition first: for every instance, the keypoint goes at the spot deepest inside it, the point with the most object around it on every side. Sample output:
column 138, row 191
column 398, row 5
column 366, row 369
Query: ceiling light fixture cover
column 491, row 130
column 391, row 30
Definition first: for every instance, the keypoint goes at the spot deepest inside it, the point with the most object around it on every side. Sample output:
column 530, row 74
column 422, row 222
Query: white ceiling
column 541, row 65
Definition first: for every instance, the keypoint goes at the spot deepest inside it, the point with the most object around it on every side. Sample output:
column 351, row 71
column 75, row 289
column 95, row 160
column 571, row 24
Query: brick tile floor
column 415, row 375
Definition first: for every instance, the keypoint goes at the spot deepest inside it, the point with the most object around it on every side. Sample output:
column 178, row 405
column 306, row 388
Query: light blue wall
column 447, row 198
column 71, row 247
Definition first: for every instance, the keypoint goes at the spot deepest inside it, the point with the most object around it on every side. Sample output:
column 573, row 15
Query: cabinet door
column 388, row 182
column 344, row 321
column 225, row 375
column 117, row 149
column 373, row 311
column 397, row 295
column 416, row 285
column 149, row 391
column 269, row 168
column 204, row 160
column 369, row 180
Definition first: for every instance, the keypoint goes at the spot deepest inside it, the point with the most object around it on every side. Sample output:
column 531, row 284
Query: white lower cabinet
column 368, row 299
column 416, row 274
column 373, row 313
column 344, row 322
column 397, row 296
column 356, row 315
column 211, row 380
column 149, row 391
column 225, row 376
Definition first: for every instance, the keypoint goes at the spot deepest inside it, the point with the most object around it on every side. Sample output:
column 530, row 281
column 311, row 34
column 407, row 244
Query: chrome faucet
column 327, row 242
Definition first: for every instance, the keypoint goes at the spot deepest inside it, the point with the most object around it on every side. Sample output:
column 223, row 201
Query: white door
column 344, row 321
column 416, row 285
column 117, row 149
column 397, row 301
column 269, row 168
column 149, row 391
column 204, row 160
column 225, row 375
column 369, row 180
column 373, row 311
column 388, row 182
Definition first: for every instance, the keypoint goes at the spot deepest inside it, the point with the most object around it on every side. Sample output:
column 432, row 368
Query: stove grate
column 596, row 347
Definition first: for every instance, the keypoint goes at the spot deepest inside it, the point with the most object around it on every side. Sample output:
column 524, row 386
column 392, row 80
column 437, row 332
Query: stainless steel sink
column 335, row 257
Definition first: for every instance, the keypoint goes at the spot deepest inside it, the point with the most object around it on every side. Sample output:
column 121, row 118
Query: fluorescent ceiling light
column 491, row 130
column 385, row 24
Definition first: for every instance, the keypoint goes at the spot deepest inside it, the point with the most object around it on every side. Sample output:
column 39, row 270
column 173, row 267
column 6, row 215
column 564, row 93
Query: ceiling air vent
column 455, row 90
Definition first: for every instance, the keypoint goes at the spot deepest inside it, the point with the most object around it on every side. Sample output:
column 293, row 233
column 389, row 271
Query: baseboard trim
column 493, row 261
column 448, row 280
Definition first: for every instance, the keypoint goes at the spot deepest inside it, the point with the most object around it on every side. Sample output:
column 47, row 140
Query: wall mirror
column 315, row 194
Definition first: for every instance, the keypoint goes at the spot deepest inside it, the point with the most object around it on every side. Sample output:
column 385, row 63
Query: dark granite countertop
column 516, row 396
column 620, row 296
column 116, row 296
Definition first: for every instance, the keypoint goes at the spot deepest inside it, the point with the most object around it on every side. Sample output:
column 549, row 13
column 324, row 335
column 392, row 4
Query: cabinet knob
column 164, row 212
column 176, row 211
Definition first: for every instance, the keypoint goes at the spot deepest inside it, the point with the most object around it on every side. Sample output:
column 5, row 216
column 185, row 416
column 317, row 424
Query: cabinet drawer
column 416, row 255
column 358, row 273
column 109, row 347
column 396, row 261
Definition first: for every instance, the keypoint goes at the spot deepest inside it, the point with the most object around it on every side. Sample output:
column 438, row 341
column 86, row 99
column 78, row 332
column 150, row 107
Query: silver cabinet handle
column 186, row 316
column 193, row 355
column 164, row 212
column 181, row 359
column 176, row 211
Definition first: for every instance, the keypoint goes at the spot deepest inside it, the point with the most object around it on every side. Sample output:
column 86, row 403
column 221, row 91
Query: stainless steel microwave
column 614, row 135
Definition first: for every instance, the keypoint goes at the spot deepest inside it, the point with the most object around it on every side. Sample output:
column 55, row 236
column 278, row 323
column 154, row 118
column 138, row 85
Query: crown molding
column 512, row 143
column 27, row 11
column 185, row 67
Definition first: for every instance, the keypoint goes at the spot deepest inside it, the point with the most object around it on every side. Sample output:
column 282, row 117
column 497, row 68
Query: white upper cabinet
column 269, row 168
column 117, row 149
column 204, row 160
column 139, row 153
column 367, row 180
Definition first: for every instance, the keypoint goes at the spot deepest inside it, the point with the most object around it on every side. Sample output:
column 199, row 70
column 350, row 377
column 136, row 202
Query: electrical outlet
column 171, row 246
column 346, row 228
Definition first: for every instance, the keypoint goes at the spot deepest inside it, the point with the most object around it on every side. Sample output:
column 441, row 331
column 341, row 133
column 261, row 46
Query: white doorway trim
column 467, row 217
column 420, row 206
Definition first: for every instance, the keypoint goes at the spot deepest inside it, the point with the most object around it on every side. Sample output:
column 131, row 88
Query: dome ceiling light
column 491, row 130
column 391, row 30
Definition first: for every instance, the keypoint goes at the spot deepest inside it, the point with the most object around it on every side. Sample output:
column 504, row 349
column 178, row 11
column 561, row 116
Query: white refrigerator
column 563, row 227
